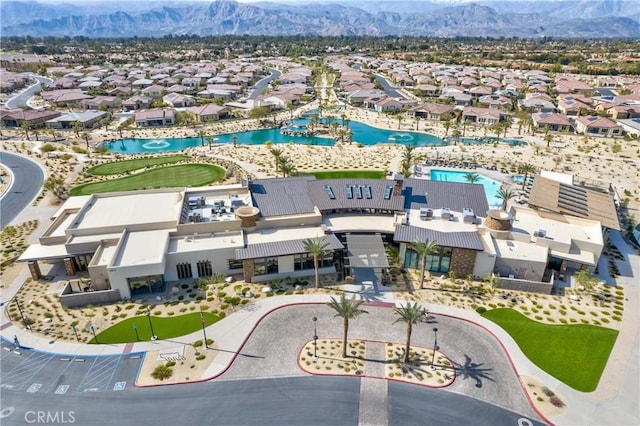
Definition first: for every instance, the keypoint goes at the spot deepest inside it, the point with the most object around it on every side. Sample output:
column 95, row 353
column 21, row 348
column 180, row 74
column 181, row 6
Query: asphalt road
column 260, row 85
column 388, row 88
column 22, row 98
column 27, row 182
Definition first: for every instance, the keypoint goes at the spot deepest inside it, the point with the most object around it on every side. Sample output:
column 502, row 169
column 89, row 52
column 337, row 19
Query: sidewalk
column 613, row 402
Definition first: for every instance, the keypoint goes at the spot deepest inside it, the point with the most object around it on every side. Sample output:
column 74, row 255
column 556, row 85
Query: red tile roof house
column 552, row 120
column 484, row 116
column 494, row 101
column 431, row 111
column 178, row 100
column 155, row 91
column 621, row 112
column 597, row 126
column 208, row 112
column 35, row 118
column 383, row 104
column 101, row 102
column 572, row 107
column 155, row 117
column 137, row 102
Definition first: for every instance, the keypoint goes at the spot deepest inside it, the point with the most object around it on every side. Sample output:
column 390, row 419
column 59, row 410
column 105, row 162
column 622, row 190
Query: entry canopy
column 366, row 251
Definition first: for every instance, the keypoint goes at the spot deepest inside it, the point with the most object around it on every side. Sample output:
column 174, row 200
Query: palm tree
column 471, row 177
column 407, row 160
column 210, row 140
column 277, row 153
column 201, row 134
column 526, row 169
column 507, row 123
column 400, row 120
column 86, row 136
column 456, row 133
column 411, row 314
column 77, row 127
column 346, row 309
column 234, row 139
column 505, row 195
column 447, row 125
column 26, row 126
column 417, row 118
column 424, row 249
column 548, row 138
column 317, row 248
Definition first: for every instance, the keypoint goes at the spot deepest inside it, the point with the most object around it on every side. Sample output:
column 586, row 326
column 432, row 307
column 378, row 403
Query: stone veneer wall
column 34, row 268
column 462, row 261
column 248, row 221
column 248, row 269
column 69, row 266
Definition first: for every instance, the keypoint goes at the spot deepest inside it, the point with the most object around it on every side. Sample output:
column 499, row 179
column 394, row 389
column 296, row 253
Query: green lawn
column 165, row 328
column 117, row 167
column 574, row 354
column 164, row 177
column 352, row 174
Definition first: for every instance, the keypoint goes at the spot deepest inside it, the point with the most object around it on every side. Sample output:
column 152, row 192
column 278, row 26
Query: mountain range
column 500, row 18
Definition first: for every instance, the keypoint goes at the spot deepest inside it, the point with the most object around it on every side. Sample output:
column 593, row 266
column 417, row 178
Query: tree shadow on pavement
column 473, row 371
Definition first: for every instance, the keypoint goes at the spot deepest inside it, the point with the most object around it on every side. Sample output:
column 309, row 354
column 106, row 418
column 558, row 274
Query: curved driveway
column 264, row 385
column 260, row 85
column 22, row 98
column 25, row 186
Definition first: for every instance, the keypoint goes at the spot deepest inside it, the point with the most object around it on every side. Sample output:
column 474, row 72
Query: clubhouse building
column 134, row 244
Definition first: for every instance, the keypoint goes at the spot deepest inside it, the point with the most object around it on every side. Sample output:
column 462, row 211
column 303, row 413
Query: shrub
column 197, row 343
column 209, row 342
column 162, row 372
column 481, row 310
column 557, row 402
column 200, row 357
column 545, row 390
column 170, row 363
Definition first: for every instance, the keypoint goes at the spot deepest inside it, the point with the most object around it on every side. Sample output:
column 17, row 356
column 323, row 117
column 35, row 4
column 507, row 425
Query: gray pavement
column 26, row 183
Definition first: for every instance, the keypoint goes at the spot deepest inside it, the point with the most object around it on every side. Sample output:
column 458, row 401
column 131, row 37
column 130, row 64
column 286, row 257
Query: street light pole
column 73, row 327
column 24, row 319
column 435, row 347
column 153, row 335
column 93, row 330
column 204, row 331
column 135, row 328
column 315, row 338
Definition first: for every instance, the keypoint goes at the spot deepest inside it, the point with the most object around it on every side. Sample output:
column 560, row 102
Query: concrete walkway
column 613, row 402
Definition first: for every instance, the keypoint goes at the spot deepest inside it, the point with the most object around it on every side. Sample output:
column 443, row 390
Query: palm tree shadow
column 471, row 370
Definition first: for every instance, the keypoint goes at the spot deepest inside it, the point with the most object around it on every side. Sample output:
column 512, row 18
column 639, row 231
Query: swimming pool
column 491, row 187
column 362, row 133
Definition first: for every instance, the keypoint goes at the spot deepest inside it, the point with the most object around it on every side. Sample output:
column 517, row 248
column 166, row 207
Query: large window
column 305, row 261
column 184, row 271
column 204, row 268
column 145, row 285
column 439, row 262
column 266, row 265
column 234, row 264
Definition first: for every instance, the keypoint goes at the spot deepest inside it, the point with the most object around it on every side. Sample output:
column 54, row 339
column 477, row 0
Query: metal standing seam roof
column 467, row 240
column 366, row 251
column 574, row 201
column 283, row 248
column 318, row 193
column 453, row 195
column 282, row 197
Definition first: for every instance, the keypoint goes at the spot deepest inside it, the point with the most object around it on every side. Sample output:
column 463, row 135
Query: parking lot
column 36, row 372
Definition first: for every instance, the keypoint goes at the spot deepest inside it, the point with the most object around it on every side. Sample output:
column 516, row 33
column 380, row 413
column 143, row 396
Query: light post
column 93, row 330
column 24, row 319
column 204, row 331
column 435, row 347
column 73, row 327
column 153, row 335
column 135, row 328
column 315, row 338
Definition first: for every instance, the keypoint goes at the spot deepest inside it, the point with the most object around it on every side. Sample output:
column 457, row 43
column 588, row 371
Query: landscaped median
column 162, row 177
column 574, row 354
column 419, row 370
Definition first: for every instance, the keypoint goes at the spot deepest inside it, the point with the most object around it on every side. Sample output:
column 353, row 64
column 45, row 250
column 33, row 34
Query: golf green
column 163, row 327
column 123, row 166
column 163, row 177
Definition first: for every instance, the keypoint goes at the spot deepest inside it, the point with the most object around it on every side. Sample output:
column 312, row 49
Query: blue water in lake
column 491, row 187
column 362, row 133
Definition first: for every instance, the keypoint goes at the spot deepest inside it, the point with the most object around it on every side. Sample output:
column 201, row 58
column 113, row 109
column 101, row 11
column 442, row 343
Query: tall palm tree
column 234, row 139
column 86, row 136
column 411, row 314
column 506, row 124
column 447, row 125
column 424, row 249
column 456, row 133
column 277, row 153
column 526, row 169
column 317, row 248
column 407, row 160
column 201, row 134
column 471, row 177
column 505, row 195
column 210, row 140
column 347, row 309
column 26, row 126
column 77, row 128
